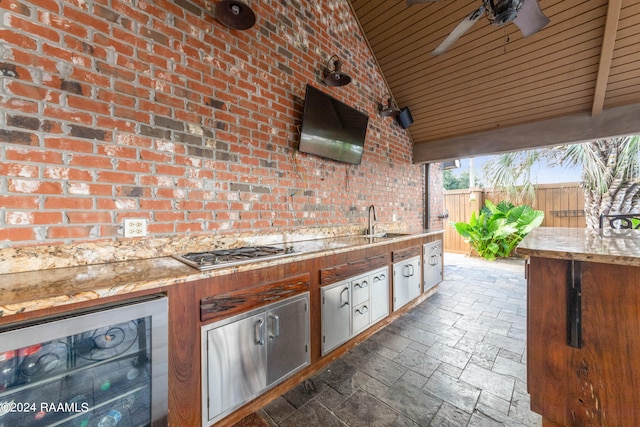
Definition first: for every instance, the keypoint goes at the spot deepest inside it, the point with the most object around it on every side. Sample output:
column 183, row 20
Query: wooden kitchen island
column 583, row 326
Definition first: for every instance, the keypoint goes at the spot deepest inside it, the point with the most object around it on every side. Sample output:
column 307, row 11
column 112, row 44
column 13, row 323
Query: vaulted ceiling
column 494, row 90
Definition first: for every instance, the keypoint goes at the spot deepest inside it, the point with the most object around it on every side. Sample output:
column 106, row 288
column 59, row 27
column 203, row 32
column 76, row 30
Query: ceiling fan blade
column 530, row 19
column 458, row 31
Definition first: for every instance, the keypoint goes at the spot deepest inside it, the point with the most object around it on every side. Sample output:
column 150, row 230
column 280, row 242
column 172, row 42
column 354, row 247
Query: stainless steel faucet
column 371, row 226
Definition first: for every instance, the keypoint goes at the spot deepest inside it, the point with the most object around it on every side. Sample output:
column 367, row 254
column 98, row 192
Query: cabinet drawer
column 361, row 317
column 360, row 290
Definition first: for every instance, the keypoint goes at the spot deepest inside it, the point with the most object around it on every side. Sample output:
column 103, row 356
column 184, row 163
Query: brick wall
column 114, row 109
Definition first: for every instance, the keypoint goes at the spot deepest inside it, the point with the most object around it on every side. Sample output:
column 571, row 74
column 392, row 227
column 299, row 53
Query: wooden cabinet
column 583, row 342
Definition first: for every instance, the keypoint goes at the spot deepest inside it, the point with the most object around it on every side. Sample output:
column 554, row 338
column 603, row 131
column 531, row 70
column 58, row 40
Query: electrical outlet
column 134, row 227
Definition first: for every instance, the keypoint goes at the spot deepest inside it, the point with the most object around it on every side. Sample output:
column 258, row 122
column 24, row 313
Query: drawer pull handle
column 344, row 301
column 259, row 332
column 363, row 310
column 362, row 284
column 275, row 321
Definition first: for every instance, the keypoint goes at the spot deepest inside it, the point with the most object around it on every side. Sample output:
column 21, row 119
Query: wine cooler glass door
column 90, row 368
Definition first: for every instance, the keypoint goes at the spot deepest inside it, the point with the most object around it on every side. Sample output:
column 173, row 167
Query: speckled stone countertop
column 580, row 244
column 46, row 288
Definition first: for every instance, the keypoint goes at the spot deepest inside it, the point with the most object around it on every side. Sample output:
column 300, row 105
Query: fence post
column 476, row 199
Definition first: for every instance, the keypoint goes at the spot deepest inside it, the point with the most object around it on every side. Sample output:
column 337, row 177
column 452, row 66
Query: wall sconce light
column 335, row 76
column 389, row 110
column 235, row 14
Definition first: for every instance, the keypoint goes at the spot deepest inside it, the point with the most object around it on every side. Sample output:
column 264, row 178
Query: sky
column 541, row 174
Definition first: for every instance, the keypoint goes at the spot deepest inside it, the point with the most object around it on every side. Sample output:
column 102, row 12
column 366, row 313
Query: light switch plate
column 135, row 227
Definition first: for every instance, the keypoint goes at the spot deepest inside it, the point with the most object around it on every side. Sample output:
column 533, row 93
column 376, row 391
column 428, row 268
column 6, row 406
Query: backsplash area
column 156, row 111
column 20, row 259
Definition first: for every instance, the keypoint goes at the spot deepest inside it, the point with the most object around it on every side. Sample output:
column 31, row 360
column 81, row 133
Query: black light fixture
column 235, row 14
column 335, row 76
column 389, row 110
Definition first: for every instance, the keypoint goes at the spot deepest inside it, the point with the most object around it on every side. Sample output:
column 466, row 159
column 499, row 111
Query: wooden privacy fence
column 562, row 204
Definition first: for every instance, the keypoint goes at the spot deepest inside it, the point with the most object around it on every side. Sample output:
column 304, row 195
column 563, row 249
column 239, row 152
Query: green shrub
column 497, row 229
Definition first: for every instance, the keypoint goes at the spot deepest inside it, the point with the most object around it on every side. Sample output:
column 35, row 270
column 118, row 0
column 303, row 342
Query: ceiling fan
column 525, row 14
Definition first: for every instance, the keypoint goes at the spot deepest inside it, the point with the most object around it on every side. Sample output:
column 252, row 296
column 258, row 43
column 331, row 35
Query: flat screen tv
column 332, row 129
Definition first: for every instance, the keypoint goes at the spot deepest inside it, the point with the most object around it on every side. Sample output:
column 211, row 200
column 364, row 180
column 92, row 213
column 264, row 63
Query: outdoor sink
column 390, row 235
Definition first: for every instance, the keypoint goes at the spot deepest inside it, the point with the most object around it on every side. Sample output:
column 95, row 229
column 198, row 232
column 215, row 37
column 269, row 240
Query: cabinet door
column 406, row 282
column 237, row 363
column 336, row 315
column 432, row 265
column 288, row 338
column 379, row 299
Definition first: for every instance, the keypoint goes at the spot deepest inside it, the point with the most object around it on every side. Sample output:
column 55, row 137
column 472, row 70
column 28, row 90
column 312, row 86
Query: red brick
column 85, row 104
column 67, row 232
column 30, row 186
column 19, row 105
column 17, row 234
column 60, row 172
column 19, row 170
column 20, row 202
column 116, row 177
column 116, row 124
column 133, row 166
column 33, row 155
column 158, row 228
column 63, row 203
column 86, row 19
column 131, row 90
column 126, row 10
column 156, row 206
column 26, row 90
column 89, row 217
column 17, row 39
column 169, row 216
column 68, row 144
column 68, row 115
column 188, row 205
column 102, row 42
column 31, row 27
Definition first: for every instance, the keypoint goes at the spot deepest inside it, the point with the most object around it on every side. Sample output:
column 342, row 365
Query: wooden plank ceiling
column 577, row 79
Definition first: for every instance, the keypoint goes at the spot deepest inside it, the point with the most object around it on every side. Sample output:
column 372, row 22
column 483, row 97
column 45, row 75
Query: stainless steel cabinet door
column 379, row 294
column 287, row 338
column 406, row 281
column 433, row 273
column 237, row 363
column 336, row 315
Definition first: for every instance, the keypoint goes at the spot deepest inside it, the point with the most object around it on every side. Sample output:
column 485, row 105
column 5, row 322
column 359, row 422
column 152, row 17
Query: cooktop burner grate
column 227, row 257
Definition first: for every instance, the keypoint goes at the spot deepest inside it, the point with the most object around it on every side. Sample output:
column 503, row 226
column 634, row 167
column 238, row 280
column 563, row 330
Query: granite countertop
column 605, row 246
column 35, row 290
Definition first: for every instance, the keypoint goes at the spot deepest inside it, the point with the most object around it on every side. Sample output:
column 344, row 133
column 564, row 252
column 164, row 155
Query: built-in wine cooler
column 98, row 368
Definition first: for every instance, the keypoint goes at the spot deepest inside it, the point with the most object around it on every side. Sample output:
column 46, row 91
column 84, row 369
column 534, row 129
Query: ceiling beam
column 606, row 54
column 546, row 133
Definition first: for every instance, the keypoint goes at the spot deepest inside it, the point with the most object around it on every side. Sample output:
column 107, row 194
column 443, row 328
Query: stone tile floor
column 457, row 359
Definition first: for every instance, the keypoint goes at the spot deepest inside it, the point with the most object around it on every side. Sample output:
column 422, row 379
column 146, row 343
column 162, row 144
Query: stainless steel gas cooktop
column 229, row 257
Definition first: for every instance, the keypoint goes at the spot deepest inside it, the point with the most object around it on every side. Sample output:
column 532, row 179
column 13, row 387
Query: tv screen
column 331, row 128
